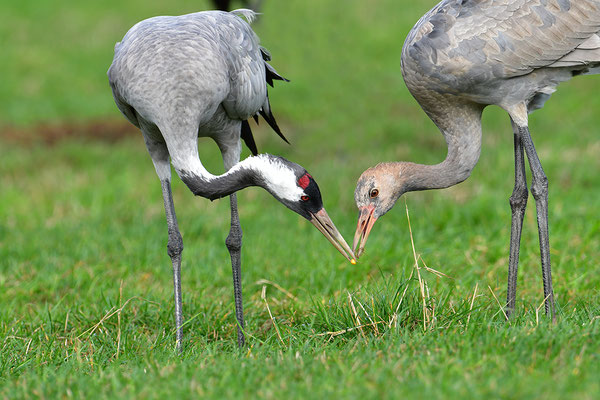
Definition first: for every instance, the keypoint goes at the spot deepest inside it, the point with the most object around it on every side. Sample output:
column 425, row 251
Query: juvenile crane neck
column 460, row 123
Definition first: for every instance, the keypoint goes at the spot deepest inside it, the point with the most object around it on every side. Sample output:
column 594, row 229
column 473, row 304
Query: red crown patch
column 304, row 180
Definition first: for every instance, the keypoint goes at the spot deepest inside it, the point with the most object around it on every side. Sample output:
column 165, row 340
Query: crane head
column 293, row 186
column 377, row 190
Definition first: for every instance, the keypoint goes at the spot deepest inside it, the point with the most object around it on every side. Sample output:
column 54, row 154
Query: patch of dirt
column 51, row 133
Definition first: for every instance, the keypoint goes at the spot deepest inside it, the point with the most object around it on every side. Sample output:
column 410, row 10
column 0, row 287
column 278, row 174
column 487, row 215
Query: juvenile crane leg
column 234, row 245
column 174, row 248
column 539, row 190
column 518, row 203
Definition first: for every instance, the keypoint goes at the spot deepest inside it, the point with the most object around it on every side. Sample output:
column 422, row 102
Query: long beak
column 325, row 225
column 366, row 220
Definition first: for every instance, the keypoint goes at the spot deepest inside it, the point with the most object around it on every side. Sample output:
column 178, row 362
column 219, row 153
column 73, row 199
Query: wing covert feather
column 510, row 38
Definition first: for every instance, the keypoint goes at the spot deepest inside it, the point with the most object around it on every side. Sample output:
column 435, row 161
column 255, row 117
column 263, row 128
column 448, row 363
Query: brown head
column 376, row 192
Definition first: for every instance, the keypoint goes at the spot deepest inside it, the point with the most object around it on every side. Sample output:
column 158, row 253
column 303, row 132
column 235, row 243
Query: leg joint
column 539, row 187
column 175, row 244
column 234, row 239
column 519, row 196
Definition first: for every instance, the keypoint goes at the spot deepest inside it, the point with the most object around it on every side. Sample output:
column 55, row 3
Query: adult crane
column 464, row 55
column 204, row 74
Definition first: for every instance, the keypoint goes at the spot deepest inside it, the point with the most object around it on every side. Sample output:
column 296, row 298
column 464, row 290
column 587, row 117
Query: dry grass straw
column 499, row 305
column 356, row 317
column 368, row 316
column 110, row 313
column 471, row 306
column 263, row 295
column 428, row 315
column 537, row 310
column 276, row 286
column 346, row 330
column 118, row 319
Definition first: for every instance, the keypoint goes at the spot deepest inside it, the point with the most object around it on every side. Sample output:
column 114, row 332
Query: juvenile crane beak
column 325, row 225
column 366, row 220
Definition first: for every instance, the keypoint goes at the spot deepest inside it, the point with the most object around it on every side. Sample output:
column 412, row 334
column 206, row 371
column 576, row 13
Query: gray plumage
column 464, row 55
column 205, row 74
column 216, row 72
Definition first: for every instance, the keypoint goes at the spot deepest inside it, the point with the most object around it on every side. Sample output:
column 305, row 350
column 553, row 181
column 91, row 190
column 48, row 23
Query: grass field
column 86, row 305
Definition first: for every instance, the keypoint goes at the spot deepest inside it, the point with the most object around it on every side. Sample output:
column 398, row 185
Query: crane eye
column 374, row 193
column 304, row 198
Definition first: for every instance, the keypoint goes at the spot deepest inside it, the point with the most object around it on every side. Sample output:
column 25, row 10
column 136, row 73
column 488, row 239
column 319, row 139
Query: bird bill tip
column 325, row 225
column 366, row 220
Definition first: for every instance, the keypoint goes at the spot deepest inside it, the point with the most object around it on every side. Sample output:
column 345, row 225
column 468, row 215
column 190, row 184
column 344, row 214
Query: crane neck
column 460, row 123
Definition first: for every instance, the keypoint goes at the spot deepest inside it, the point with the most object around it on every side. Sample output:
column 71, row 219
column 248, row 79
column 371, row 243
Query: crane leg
column 234, row 245
column 518, row 203
column 231, row 149
column 539, row 190
column 174, row 248
column 160, row 158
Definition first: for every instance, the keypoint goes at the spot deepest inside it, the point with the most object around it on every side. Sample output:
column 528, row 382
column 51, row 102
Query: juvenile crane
column 204, row 74
column 464, row 55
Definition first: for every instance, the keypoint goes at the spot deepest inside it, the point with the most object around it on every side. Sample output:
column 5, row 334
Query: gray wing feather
column 538, row 33
column 586, row 53
column 491, row 39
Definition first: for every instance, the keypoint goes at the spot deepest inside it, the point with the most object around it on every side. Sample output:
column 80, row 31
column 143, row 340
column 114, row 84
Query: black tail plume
column 270, row 75
column 268, row 116
column 270, row 72
column 248, row 138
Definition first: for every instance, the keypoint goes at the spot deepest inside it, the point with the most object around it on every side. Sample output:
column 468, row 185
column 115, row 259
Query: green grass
column 85, row 281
